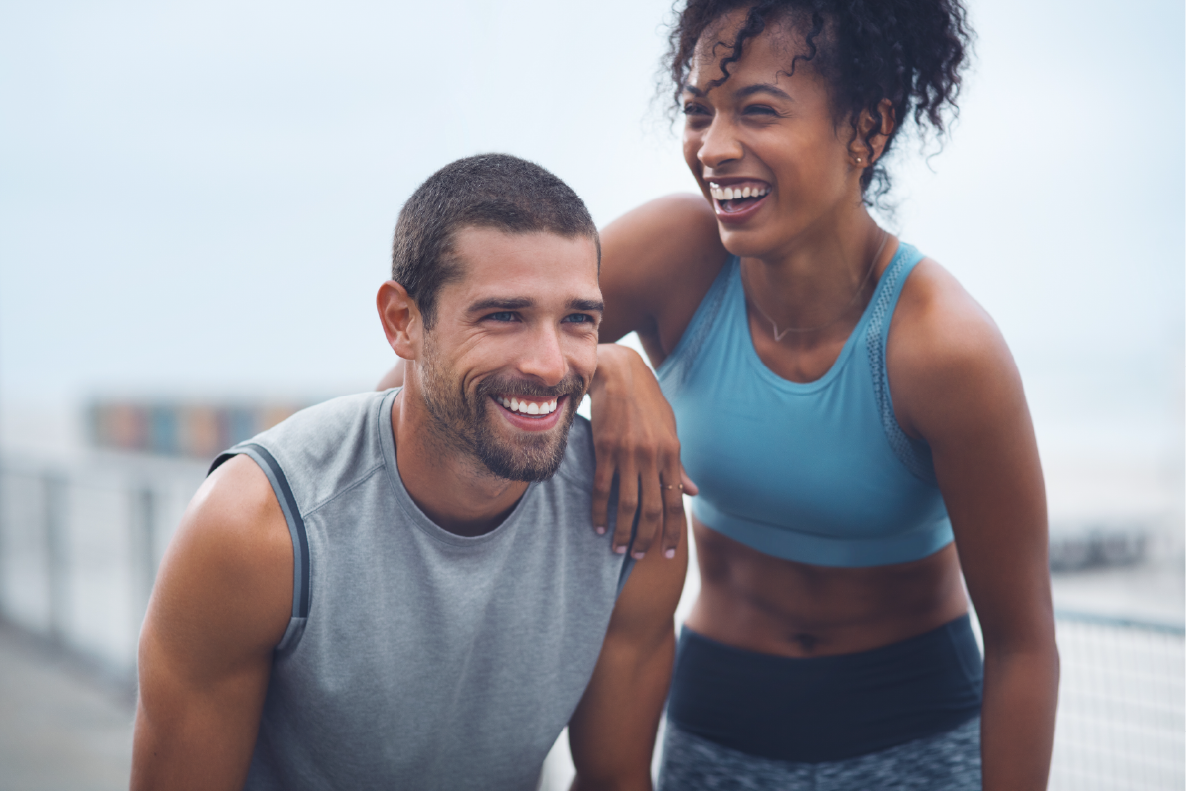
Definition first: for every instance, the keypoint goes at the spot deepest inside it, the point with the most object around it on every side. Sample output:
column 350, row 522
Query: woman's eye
column 691, row 109
column 760, row 110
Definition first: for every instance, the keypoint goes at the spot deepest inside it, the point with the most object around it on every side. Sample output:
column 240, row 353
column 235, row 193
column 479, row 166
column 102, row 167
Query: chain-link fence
column 1120, row 705
column 79, row 548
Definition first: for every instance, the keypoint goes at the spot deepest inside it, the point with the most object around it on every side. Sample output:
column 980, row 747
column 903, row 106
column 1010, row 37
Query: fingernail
column 620, row 549
column 669, row 553
column 638, row 555
column 600, row 530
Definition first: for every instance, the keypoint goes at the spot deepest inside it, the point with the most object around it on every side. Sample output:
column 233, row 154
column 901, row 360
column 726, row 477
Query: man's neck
column 454, row 490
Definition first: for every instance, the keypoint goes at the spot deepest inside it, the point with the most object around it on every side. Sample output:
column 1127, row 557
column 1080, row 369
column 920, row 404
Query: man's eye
column 502, row 316
column 578, row 318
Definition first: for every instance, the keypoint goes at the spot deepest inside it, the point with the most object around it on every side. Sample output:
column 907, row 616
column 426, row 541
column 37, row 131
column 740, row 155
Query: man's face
column 513, row 349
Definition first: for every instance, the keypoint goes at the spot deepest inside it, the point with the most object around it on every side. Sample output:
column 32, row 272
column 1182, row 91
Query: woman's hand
column 634, row 437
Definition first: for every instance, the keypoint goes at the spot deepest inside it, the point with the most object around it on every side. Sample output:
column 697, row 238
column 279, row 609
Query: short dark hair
column 912, row 52
column 484, row 191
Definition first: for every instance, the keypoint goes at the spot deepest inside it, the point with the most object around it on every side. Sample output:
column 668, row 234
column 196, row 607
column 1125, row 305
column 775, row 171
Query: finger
column 674, row 517
column 627, row 506
column 603, row 483
column 650, row 521
column 690, row 487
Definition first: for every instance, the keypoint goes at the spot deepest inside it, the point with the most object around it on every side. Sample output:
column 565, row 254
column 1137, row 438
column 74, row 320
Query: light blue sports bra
column 817, row 472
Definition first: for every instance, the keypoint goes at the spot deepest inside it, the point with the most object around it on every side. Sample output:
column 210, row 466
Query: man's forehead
column 516, row 265
column 474, row 239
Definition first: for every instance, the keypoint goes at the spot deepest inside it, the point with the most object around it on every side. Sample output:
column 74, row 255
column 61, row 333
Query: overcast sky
column 197, row 198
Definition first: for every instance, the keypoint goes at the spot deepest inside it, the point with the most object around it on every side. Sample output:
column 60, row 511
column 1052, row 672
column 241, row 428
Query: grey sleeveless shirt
column 415, row 658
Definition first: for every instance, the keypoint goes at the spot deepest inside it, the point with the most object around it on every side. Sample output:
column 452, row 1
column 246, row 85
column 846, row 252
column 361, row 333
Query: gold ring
column 673, row 486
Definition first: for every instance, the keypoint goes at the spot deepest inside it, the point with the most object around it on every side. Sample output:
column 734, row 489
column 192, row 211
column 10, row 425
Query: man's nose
column 718, row 143
column 543, row 357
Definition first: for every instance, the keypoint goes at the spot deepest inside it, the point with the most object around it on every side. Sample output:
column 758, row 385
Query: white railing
column 79, row 549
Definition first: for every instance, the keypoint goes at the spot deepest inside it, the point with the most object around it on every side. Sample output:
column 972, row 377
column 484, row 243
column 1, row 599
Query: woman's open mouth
column 736, row 202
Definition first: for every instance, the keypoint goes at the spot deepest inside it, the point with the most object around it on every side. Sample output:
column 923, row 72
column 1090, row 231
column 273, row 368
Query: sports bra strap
column 673, row 372
column 914, row 454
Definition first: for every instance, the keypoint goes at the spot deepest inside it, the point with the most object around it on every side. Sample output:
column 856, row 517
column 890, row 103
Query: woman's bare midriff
column 754, row 601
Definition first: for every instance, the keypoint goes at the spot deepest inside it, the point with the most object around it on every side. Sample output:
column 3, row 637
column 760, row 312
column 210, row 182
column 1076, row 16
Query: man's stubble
column 463, row 424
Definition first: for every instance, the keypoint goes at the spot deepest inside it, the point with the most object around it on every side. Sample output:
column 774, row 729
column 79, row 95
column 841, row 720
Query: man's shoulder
column 580, row 460
column 326, row 447
column 328, row 419
column 572, row 489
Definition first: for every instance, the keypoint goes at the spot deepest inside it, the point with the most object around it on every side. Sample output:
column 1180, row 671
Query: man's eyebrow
column 587, row 305
column 500, row 304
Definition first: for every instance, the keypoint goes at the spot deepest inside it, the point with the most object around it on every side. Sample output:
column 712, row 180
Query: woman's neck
column 823, row 277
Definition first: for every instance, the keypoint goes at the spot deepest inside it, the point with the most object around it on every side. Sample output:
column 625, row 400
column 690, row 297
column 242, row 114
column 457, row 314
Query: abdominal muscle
column 754, row 601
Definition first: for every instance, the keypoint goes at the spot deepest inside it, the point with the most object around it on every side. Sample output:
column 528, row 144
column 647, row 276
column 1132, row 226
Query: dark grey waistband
column 827, row 708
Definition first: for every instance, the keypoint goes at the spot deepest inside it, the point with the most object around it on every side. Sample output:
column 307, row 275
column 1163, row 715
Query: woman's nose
column 718, row 144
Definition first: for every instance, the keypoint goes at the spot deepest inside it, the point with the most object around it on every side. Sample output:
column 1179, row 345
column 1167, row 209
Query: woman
column 853, row 419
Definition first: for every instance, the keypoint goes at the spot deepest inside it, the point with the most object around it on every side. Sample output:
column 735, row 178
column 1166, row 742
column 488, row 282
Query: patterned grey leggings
column 949, row 760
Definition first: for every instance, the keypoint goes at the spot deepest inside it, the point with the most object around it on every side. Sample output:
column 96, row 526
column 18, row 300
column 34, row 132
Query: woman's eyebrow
column 769, row 88
column 749, row 90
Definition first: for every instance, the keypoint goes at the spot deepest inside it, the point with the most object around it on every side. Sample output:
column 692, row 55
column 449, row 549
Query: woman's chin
column 744, row 242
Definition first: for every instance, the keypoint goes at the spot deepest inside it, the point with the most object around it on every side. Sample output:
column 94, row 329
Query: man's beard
column 464, row 423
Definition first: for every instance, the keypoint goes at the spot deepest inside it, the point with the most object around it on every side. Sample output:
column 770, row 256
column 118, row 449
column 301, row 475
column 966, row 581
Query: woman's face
column 769, row 140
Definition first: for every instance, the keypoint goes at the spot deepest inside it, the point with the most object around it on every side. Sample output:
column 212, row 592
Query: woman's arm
column 657, row 263
column 393, row 378
column 612, row 732
column 954, row 383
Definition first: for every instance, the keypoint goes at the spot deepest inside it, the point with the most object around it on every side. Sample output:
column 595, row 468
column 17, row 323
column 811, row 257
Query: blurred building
column 186, row 429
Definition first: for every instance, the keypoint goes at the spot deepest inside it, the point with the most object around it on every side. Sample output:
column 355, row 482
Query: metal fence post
column 55, row 552
column 3, row 538
column 144, row 508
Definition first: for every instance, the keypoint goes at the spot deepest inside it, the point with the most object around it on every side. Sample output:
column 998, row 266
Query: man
column 404, row 589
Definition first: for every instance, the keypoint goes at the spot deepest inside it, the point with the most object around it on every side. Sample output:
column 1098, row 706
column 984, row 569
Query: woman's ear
column 401, row 320
column 860, row 151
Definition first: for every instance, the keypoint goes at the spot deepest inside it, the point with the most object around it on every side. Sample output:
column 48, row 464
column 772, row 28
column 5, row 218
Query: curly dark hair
column 910, row 52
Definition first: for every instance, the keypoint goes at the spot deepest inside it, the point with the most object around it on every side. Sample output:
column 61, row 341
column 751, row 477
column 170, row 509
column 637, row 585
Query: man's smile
column 527, row 406
column 532, row 413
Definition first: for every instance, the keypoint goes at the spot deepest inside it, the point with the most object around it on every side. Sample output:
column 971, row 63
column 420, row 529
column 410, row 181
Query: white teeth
column 526, row 407
column 728, row 193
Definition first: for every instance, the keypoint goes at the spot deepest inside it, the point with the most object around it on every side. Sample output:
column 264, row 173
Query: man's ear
column 401, row 320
